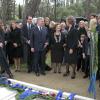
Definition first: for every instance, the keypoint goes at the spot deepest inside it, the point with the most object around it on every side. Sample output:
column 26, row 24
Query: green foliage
column 79, row 9
column 20, row 11
column 75, row 10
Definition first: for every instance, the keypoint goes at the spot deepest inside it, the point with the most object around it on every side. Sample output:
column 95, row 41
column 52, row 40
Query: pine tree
column 20, row 11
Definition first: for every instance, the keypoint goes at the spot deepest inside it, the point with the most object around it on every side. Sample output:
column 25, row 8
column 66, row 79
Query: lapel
column 37, row 29
column 70, row 31
column 26, row 29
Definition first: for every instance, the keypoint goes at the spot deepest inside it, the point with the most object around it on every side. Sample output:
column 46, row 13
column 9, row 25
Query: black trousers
column 80, row 63
column 28, row 56
column 87, row 65
column 4, row 64
column 30, row 59
column 39, row 61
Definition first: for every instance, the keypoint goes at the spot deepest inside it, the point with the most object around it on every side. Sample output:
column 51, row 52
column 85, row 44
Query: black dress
column 71, row 43
column 57, row 49
column 15, row 37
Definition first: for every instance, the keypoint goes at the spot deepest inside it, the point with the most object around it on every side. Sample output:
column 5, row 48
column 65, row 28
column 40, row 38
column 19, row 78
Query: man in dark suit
column 26, row 31
column 39, row 42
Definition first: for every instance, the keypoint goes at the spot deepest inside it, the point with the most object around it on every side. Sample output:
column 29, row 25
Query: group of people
column 66, row 42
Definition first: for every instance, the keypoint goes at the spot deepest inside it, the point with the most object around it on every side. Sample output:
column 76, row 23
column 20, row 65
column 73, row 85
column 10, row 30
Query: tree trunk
column 31, row 7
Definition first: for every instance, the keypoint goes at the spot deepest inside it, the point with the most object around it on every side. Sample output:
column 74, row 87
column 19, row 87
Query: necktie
column 40, row 29
column 29, row 27
column 29, row 30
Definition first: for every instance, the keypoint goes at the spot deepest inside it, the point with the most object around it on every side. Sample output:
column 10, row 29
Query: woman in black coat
column 71, row 47
column 57, row 49
column 16, row 43
column 3, row 61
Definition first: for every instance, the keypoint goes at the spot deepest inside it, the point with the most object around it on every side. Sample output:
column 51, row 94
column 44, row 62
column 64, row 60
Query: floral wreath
column 25, row 93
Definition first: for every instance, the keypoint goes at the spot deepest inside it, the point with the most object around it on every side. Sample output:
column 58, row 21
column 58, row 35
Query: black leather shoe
column 85, row 76
column 66, row 74
column 43, row 73
column 59, row 72
column 29, row 71
column 55, row 72
column 37, row 74
column 47, row 68
column 72, row 77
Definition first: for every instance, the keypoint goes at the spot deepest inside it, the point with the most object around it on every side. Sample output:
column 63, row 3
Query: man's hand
column 32, row 50
column 46, row 44
column 1, row 45
column 64, row 45
column 84, row 56
column 15, row 45
column 5, row 42
column 28, row 42
column 70, row 51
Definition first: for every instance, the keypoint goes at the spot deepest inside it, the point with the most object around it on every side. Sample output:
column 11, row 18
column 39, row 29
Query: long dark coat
column 15, row 37
column 26, row 34
column 2, row 40
column 71, row 43
column 3, row 61
column 57, row 49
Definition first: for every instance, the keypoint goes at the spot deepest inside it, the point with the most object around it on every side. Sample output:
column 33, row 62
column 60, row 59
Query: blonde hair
column 93, row 24
column 52, row 24
column 70, row 20
column 82, row 21
column 63, row 24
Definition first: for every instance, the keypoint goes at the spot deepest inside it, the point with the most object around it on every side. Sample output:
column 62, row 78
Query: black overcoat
column 16, row 37
column 71, row 43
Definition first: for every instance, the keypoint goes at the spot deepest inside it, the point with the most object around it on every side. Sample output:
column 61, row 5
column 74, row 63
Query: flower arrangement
column 25, row 93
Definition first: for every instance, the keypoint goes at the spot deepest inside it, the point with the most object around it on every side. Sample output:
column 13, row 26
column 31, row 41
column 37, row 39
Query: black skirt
column 57, row 53
column 71, row 58
column 17, row 52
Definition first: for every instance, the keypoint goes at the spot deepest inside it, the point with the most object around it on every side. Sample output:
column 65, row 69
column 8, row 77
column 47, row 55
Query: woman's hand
column 32, row 50
column 64, row 45
column 1, row 45
column 71, row 51
column 84, row 56
column 15, row 45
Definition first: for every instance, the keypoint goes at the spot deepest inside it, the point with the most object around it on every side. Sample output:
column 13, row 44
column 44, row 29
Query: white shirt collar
column 39, row 27
column 28, row 25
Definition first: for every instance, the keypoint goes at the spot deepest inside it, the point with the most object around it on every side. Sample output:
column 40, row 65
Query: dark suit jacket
column 2, row 40
column 25, row 33
column 38, row 39
column 98, row 28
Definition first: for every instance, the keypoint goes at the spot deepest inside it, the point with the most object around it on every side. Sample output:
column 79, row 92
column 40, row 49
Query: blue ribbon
column 27, row 93
column 91, row 88
column 4, row 81
column 59, row 95
column 19, row 86
column 71, row 96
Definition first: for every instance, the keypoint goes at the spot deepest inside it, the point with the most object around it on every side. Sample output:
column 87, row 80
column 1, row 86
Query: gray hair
column 40, row 18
